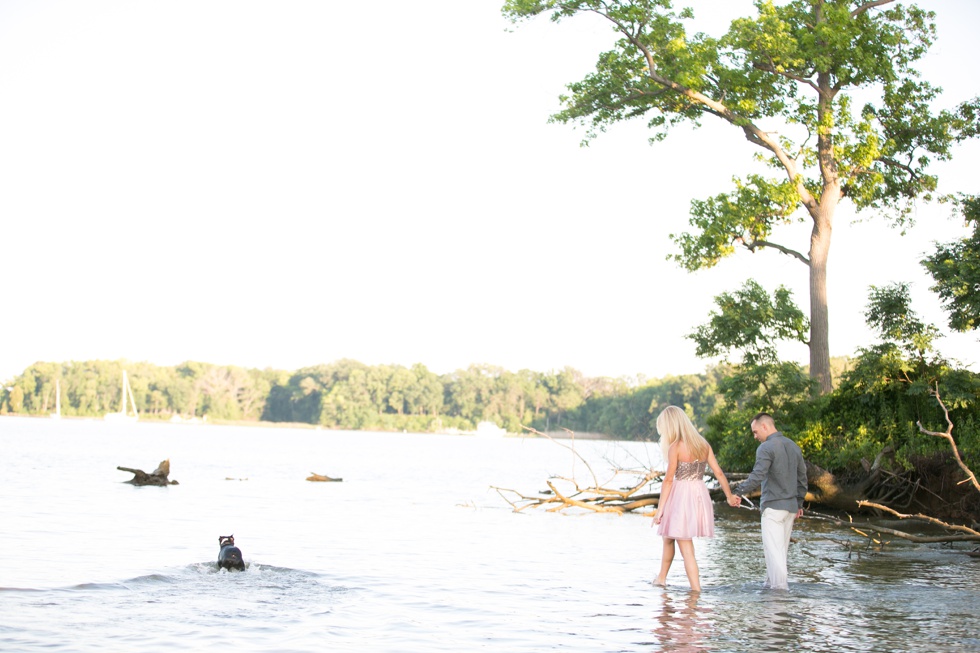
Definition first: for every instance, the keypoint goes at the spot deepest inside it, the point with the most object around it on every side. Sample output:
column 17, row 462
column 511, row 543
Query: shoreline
column 557, row 435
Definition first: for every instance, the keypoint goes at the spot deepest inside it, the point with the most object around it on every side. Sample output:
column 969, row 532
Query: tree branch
column 901, row 166
column 869, row 5
column 948, row 435
column 921, row 517
column 770, row 68
column 752, row 133
column 755, row 244
column 572, row 449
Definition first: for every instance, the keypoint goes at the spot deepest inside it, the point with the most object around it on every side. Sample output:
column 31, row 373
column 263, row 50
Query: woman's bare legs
column 690, row 564
column 665, row 561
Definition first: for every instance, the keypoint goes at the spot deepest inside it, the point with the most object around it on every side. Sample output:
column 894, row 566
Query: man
column 780, row 470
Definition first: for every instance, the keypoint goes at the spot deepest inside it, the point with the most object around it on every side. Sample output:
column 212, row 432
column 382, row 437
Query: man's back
column 780, row 470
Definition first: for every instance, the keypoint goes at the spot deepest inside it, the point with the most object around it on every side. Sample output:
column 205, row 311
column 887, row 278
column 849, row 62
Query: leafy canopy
column 955, row 267
column 827, row 89
column 751, row 322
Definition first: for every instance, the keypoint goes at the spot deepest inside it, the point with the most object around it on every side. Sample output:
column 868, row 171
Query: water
column 411, row 552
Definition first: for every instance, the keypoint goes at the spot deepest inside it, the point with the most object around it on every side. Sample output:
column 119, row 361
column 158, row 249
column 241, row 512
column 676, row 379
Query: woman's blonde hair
column 673, row 424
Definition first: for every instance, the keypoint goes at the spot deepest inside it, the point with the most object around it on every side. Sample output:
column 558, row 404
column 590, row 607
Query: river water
column 412, row 552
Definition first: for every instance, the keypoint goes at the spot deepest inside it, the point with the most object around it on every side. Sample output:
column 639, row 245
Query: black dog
column 230, row 556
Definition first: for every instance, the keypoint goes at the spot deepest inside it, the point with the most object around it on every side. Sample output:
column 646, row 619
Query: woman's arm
column 668, row 481
column 720, row 475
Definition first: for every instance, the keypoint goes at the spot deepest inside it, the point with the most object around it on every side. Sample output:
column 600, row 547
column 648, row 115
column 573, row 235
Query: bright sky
column 282, row 184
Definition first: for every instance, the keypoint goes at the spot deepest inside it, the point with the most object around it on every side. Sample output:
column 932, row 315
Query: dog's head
column 226, row 540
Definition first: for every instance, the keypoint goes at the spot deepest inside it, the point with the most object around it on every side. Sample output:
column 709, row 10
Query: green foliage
column 745, row 217
column 889, row 312
column 348, row 394
column 786, row 80
column 955, row 267
column 881, row 396
column 752, row 323
column 794, row 63
column 94, row 388
column 617, row 408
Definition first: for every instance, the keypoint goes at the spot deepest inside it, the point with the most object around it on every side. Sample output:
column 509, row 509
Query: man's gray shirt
column 780, row 470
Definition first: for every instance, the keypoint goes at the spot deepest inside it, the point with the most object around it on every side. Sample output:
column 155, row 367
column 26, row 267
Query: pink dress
column 688, row 512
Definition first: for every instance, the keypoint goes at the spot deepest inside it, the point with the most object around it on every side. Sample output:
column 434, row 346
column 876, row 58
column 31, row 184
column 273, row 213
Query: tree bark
column 819, row 312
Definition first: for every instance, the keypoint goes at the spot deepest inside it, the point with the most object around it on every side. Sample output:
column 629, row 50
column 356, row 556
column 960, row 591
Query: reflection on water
column 412, row 552
column 817, row 617
column 681, row 626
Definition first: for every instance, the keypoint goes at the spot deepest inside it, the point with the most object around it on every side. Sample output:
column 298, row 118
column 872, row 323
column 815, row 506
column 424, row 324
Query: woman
column 684, row 510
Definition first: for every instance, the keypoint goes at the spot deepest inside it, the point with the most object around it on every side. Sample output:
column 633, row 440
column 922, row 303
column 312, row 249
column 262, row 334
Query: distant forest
column 350, row 395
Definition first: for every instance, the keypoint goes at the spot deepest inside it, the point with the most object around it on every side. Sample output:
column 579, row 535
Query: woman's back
column 691, row 471
column 685, row 455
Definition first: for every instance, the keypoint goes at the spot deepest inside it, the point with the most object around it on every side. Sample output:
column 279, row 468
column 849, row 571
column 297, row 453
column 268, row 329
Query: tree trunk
column 822, row 214
column 819, row 314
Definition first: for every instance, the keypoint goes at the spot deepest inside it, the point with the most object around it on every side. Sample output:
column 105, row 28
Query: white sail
column 123, row 415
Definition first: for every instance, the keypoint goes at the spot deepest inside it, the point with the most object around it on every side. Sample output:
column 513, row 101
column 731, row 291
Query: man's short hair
column 764, row 417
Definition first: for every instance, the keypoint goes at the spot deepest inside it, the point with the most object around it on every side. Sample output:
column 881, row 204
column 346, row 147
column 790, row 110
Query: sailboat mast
column 125, row 384
column 132, row 400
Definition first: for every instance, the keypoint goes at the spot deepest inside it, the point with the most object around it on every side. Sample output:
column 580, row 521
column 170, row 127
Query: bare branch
column 870, row 5
column 948, row 435
column 921, row 517
column 580, row 504
column 921, row 539
column 755, row 244
column 572, row 449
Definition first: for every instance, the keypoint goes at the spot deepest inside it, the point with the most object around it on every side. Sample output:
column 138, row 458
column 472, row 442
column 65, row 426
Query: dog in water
column 229, row 556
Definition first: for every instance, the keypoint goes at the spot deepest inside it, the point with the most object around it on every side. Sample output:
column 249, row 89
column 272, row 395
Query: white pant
column 777, row 525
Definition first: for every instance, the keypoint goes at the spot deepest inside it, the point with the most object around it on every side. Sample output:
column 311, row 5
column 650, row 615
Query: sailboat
column 57, row 400
column 123, row 415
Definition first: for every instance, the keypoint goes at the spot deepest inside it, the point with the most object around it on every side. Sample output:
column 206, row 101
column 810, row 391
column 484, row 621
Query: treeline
column 878, row 398
column 347, row 394
column 94, row 388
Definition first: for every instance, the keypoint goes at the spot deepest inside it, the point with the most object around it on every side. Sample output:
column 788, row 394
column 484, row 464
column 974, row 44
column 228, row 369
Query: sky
column 284, row 184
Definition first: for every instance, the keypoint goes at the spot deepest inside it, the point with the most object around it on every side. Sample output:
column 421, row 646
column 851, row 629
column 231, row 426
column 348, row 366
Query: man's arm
column 763, row 459
column 801, row 482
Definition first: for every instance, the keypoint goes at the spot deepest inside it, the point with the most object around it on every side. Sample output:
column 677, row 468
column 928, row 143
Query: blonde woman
column 684, row 510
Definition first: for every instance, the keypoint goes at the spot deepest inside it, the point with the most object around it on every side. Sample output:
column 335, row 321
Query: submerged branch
column 920, row 517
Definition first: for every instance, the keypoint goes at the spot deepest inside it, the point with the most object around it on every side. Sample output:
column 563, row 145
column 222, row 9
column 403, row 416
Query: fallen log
column 320, row 478
column 159, row 476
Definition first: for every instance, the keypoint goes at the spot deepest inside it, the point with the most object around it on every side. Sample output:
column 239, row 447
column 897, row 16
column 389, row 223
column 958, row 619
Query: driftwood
column 594, row 498
column 157, row 477
column 320, row 478
column 825, row 490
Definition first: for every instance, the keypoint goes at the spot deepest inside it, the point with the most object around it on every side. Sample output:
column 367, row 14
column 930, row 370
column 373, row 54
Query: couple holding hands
column 685, row 511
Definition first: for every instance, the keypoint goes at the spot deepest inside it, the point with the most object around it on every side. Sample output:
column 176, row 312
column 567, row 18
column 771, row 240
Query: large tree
column 788, row 80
